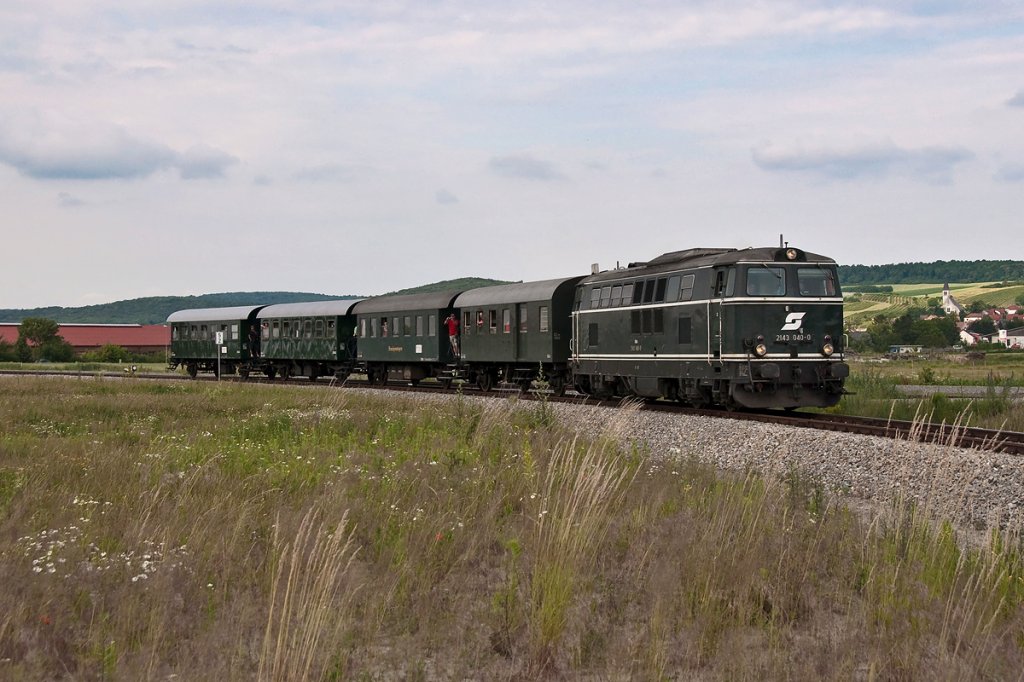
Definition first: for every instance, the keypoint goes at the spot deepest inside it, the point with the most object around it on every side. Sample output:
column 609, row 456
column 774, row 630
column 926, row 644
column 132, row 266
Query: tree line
column 937, row 272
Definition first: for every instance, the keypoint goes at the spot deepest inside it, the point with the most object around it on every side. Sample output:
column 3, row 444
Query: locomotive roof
column 310, row 309
column 238, row 312
column 697, row 258
column 520, row 292
column 436, row 300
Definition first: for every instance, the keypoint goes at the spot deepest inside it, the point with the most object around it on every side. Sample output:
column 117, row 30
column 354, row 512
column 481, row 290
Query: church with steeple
column 950, row 304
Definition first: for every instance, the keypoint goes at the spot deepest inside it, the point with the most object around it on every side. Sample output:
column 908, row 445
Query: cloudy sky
column 159, row 147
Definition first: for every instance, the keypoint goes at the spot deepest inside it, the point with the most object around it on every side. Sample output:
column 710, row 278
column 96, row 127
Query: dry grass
column 245, row 532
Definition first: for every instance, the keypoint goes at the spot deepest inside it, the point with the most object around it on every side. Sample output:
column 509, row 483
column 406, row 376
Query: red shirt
column 453, row 326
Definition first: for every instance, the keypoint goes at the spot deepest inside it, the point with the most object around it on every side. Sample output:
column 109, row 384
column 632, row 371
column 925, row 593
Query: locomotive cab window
column 816, row 282
column 638, row 292
column 766, row 281
column 595, row 297
column 627, row 294
column 672, row 294
column 616, row 296
column 606, row 296
column 725, row 282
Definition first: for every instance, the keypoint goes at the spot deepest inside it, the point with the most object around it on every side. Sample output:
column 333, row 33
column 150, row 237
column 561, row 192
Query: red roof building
column 136, row 338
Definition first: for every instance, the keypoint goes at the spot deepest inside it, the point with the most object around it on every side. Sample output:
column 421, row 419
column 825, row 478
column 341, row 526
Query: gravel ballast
column 975, row 489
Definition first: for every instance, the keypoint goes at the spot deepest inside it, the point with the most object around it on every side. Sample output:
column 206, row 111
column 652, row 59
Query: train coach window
column 686, row 288
column 816, row 282
column 204, row 333
column 419, row 325
column 234, row 332
column 318, row 329
column 766, row 281
column 275, row 329
column 373, row 328
column 265, row 330
column 408, row 325
column 606, row 296
column 307, row 328
column 480, row 321
column 627, row 294
column 506, row 321
column 330, row 328
column 362, row 328
column 616, row 296
column 543, row 318
column 522, row 318
column 174, row 333
column 595, row 298
column 467, row 319
column 432, row 325
column 396, row 326
column 286, row 329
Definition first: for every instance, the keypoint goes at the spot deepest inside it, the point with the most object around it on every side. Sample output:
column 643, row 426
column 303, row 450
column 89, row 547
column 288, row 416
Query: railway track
column 1010, row 442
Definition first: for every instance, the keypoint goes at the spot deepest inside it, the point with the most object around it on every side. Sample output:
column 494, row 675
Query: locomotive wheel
column 192, row 369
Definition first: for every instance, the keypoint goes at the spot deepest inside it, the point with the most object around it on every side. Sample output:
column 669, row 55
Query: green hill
column 155, row 309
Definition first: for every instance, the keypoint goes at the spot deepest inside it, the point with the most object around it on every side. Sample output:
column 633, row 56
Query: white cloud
column 931, row 164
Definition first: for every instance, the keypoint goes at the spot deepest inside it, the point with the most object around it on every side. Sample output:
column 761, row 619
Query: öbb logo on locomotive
column 793, row 322
column 694, row 326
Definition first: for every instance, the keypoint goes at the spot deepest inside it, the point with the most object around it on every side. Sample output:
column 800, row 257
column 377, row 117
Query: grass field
column 204, row 531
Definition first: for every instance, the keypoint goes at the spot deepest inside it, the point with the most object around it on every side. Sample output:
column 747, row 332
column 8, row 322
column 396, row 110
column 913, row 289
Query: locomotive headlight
column 760, row 349
column 791, row 254
column 827, row 348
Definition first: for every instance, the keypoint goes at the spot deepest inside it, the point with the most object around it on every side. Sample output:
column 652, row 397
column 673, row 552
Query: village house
column 1011, row 338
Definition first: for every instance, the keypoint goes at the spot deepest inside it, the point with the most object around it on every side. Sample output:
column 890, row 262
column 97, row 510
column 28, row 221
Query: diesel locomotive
column 746, row 328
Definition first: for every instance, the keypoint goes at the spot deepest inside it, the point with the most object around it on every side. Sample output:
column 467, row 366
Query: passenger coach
column 400, row 337
column 518, row 333
column 194, row 338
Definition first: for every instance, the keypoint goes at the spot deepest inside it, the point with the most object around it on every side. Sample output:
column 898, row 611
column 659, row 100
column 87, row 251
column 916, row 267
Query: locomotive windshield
column 766, row 281
column 816, row 282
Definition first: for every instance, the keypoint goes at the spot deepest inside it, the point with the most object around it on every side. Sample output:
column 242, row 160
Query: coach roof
column 311, row 309
column 240, row 312
column 512, row 293
column 437, row 300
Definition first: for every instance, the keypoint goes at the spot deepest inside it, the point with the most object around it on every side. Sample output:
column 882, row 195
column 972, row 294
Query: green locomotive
column 752, row 328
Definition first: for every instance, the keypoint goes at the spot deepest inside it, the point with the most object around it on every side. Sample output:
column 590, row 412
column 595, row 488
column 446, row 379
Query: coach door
column 520, row 321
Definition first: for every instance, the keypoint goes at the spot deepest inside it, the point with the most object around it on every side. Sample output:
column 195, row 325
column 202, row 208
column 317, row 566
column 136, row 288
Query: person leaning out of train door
column 254, row 341
column 452, row 323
